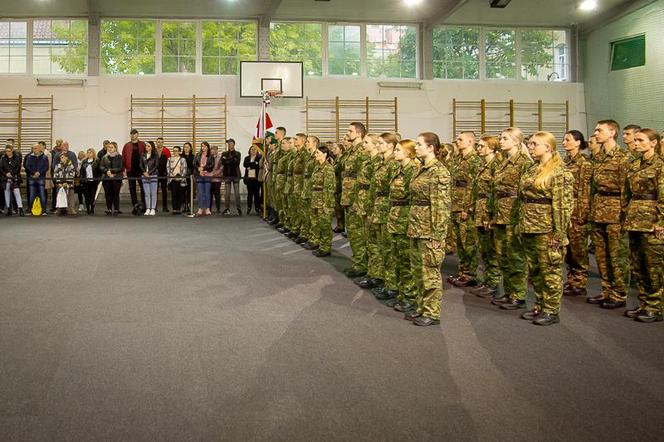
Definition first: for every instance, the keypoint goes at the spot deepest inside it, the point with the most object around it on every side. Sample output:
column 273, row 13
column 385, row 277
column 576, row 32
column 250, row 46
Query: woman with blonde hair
column 545, row 209
column 508, row 247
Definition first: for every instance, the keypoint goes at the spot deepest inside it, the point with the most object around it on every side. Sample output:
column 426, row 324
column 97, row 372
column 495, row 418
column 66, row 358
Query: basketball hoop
column 273, row 93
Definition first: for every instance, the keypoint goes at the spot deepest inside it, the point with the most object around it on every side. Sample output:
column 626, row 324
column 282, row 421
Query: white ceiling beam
column 267, row 17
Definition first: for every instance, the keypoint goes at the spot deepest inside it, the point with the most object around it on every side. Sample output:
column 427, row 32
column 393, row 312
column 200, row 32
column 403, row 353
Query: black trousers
column 163, row 185
column 253, row 194
column 112, row 194
column 215, row 195
column 132, row 189
column 177, row 195
column 89, row 191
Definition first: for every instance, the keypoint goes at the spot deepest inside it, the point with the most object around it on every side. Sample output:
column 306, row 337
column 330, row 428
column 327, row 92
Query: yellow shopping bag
column 36, row 207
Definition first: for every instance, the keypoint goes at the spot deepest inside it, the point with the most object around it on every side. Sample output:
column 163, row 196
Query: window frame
column 418, row 51
column 30, row 66
column 157, row 48
column 480, row 48
column 200, row 42
column 28, row 47
column 363, row 46
column 323, row 54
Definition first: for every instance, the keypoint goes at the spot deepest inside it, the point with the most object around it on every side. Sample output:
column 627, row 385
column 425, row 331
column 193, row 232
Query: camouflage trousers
column 295, row 215
column 426, row 258
column 321, row 230
column 647, row 253
column 450, row 241
column 487, row 248
column 545, row 270
column 611, row 249
column 576, row 257
column 284, row 210
column 465, row 234
column 339, row 210
column 306, row 218
column 355, row 226
column 399, row 269
column 511, row 261
column 377, row 245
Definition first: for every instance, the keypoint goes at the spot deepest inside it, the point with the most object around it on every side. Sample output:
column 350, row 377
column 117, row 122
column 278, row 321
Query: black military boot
column 546, row 319
column 514, row 304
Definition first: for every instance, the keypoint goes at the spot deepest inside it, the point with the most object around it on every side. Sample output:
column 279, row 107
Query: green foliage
column 128, row 46
column 390, row 58
column 225, row 44
column 298, row 42
column 344, row 50
column 537, row 52
column 178, row 46
column 73, row 59
column 456, row 53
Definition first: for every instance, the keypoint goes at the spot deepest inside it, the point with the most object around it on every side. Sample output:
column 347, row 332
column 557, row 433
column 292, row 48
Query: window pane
column 456, row 52
column 391, row 51
column 628, row 53
column 500, row 50
column 298, row 42
column 343, row 49
column 178, row 46
column 13, row 47
column 228, row 43
column 543, row 55
column 60, row 46
column 128, row 46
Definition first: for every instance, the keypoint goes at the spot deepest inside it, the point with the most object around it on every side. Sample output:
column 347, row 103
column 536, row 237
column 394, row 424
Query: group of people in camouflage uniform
column 509, row 206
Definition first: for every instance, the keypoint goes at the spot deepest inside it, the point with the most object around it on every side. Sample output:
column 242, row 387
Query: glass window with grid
column 456, row 52
column 343, row 50
column 225, row 44
column 298, row 42
column 59, row 46
column 13, row 47
column 128, row 47
column 544, row 55
column 500, row 51
column 178, row 47
column 392, row 51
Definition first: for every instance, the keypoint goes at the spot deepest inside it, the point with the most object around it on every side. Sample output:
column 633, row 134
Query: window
column 500, row 51
column 128, row 47
column 225, row 44
column 60, row 46
column 178, row 46
column 298, row 42
column 391, row 51
column 343, row 50
column 13, row 47
column 628, row 53
column 456, row 52
column 543, row 55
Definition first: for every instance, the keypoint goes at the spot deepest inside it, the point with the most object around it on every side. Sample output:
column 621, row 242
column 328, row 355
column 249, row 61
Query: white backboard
column 258, row 76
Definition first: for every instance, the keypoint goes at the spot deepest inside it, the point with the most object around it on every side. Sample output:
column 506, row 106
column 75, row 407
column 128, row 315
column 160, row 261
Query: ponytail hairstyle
column 431, row 139
column 578, row 136
column 408, row 146
column 390, row 138
column 545, row 171
column 329, row 155
column 517, row 136
column 491, row 141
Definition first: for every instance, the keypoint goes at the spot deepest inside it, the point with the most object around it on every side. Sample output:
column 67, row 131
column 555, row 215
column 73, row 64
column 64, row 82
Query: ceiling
column 519, row 12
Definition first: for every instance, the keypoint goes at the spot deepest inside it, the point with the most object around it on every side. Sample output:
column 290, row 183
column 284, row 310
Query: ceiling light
column 588, row 5
column 412, row 2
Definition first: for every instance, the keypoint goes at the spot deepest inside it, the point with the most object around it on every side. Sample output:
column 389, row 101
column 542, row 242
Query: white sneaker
column 147, row 213
column 153, row 212
column 81, row 207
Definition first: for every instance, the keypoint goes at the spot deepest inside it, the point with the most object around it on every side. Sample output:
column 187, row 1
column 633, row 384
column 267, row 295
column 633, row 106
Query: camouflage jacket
column 350, row 170
column 430, row 202
column 309, row 166
column 285, row 171
column 645, row 195
column 323, row 188
column 364, row 195
column 483, row 197
column 506, row 184
column 608, row 187
column 549, row 209
column 299, row 162
column 582, row 170
column 397, row 221
column 465, row 173
column 273, row 163
column 381, row 190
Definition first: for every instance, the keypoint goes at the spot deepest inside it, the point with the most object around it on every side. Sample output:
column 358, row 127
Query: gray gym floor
column 167, row 328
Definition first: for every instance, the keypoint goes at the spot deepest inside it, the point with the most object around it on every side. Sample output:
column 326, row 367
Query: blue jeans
column 8, row 196
column 150, row 190
column 203, row 195
column 36, row 189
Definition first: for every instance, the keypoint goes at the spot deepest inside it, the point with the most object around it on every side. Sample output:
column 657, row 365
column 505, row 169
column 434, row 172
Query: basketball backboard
column 259, row 76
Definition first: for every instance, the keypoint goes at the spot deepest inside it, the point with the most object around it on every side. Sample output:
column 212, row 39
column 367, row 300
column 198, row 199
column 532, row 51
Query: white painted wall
column 632, row 95
column 87, row 115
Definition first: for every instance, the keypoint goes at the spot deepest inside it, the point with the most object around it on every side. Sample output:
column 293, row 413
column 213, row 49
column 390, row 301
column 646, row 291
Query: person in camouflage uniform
column 483, row 204
column 512, row 263
column 340, row 160
column 310, row 146
column 295, row 203
column 463, row 224
column 545, row 208
column 398, row 266
column 283, row 183
column 576, row 256
column 427, row 227
column 607, row 202
column 628, row 134
column 354, row 162
column 450, row 162
column 273, row 188
column 323, row 200
column 644, row 222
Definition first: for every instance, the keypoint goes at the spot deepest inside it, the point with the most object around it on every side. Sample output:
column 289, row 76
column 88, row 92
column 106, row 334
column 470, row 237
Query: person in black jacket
column 112, row 166
column 10, row 177
column 203, row 166
column 188, row 155
column 251, row 165
column 89, row 179
column 149, row 169
column 231, row 171
column 164, row 155
column 36, row 166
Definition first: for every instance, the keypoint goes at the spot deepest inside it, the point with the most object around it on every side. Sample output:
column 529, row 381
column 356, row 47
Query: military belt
column 421, row 203
column 483, row 195
column 382, row 193
column 460, row 183
column 363, row 186
column 506, row 194
column 399, row 202
column 644, row 196
column 538, row 200
column 317, row 188
column 350, row 174
column 607, row 193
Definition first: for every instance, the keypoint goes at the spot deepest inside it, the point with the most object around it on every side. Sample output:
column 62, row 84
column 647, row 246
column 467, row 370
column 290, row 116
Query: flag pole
column 266, row 100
